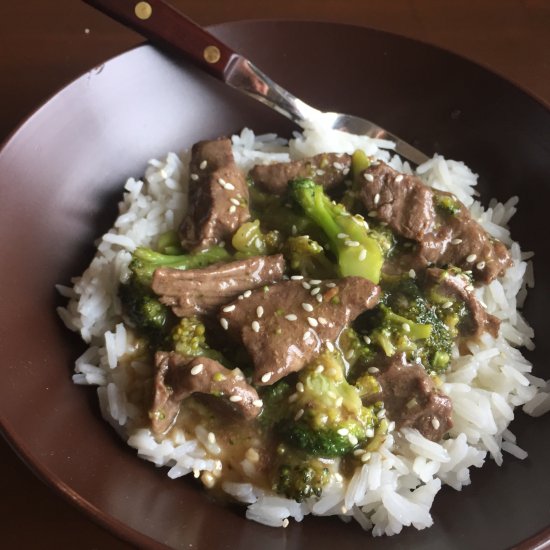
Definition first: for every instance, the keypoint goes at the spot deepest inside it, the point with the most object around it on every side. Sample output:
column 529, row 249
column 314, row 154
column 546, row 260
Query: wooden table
column 44, row 45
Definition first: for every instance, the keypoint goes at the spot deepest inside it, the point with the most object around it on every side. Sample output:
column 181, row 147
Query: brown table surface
column 45, row 45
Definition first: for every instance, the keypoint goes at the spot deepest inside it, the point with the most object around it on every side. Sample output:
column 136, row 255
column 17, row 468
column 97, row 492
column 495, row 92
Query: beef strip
column 456, row 286
column 284, row 327
column 177, row 377
column 327, row 169
column 202, row 291
column 218, row 196
column 409, row 208
column 411, row 398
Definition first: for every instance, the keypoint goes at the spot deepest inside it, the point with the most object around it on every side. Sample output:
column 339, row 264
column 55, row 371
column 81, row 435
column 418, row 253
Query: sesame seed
column 436, row 423
column 255, row 326
column 291, row 317
column 319, row 297
column 456, row 241
column 197, row 369
column 229, row 187
column 373, row 370
column 447, row 305
column 331, row 285
column 469, row 288
column 194, row 177
column 376, row 199
column 266, row 377
column 227, row 309
column 307, row 286
column 342, row 236
column 203, row 164
column 368, row 177
column 259, row 311
column 345, row 171
column 294, row 230
column 331, row 394
column 381, row 414
column 367, row 340
column 365, row 457
column 235, row 398
column 320, row 172
column 359, row 452
column 351, row 243
column 323, row 322
column 412, row 273
column 221, row 181
column 330, row 346
column 211, row 437
column 471, row 258
column 372, row 214
column 319, row 369
column 369, row 432
column 338, row 477
column 208, row 480
column 339, row 401
column 234, row 201
column 481, row 265
column 307, row 307
column 352, row 439
column 224, row 323
column 252, row 455
column 391, row 426
column 337, row 165
column 406, row 327
column 285, row 523
column 293, row 398
column 300, row 387
column 232, row 209
column 362, row 255
column 297, row 277
column 312, row 322
column 315, row 281
column 315, row 291
column 258, row 242
column 299, row 414
column 343, row 431
column 398, row 178
column 258, row 403
column 307, row 334
column 247, row 293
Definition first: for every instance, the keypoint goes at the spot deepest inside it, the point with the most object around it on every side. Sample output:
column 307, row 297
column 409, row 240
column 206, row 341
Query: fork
column 167, row 27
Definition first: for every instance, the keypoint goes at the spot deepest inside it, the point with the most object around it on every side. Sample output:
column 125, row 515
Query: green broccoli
column 298, row 477
column 249, row 240
column 357, row 252
column 145, row 261
column 144, row 310
column 307, row 257
column 325, row 416
column 188, row 337
column 446, row 204
column 408, row 322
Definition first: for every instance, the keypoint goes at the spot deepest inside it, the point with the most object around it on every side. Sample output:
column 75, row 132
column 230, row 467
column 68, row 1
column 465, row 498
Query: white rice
column 397, row 485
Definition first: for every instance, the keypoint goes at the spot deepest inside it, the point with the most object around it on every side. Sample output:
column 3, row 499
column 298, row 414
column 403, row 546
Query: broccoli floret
column 408, row 322
column 144, row 310
column 326, row 417
column 299, row 478
column 307, row 257
column 249, row 240
column 145, row 261
column 357, row 252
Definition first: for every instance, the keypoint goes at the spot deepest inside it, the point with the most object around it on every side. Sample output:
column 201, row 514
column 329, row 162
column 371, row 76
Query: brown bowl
column 62, row 173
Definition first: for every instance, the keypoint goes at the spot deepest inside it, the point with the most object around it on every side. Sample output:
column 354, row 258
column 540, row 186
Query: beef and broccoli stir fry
column 306, row 309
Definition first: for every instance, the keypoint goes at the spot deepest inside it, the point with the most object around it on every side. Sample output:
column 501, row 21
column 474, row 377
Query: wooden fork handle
column 168, row 27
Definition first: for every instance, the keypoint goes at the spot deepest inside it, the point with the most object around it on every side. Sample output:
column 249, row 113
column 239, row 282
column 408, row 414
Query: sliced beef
column 410, row 208
column 327, row 169
column 177, row 377
column 202, row 291
column 285, row 326
column 455, row 286
column 411, row 398
column 218, row 196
